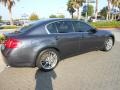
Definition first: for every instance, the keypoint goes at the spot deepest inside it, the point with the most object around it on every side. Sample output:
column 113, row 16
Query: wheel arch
column 44, row 48
column 112, row 36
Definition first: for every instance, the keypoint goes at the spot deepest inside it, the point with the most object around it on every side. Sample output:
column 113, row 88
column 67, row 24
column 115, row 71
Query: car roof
column 53, row 19
column 44, row 21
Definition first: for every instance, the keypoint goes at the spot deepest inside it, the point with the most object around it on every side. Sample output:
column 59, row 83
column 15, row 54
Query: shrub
column 106, row 24
column 2, row 38
column 8, row 27
column 34, row 17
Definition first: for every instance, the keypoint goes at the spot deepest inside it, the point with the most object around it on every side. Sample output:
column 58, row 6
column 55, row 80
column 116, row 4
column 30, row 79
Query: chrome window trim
column 56, row 27
column 66, row 20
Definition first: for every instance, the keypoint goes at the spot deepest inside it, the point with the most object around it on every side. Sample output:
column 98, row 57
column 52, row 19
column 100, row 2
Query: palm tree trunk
column 119, row 13
column 96, row 10
column 78, row 14
column 112, row 13
column 108, row 13
column 10, row 16
column 72, row 15
column 115, row 17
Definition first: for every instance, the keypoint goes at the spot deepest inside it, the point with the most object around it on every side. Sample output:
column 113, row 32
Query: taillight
column 11, row 43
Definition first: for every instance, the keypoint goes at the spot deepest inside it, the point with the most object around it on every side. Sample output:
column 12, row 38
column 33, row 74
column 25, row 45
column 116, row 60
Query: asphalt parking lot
column 95, row 70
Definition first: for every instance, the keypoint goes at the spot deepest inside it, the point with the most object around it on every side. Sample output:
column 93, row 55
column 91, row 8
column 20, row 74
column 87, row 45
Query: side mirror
column 93, row 30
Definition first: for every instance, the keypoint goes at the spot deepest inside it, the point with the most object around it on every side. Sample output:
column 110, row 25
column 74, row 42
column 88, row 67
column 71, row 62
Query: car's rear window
column 30, row 26
column 52, row 28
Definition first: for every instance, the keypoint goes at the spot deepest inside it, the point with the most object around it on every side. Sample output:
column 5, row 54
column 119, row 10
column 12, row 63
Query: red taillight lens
column 11, row 43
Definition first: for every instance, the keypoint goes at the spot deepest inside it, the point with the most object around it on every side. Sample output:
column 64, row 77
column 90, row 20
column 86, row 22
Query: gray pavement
column 2, row 64
column 117, row 34
column 95, row 70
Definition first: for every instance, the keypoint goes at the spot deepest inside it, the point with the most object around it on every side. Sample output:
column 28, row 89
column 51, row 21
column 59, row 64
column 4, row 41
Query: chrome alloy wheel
column 108, row 44
column 48, row 60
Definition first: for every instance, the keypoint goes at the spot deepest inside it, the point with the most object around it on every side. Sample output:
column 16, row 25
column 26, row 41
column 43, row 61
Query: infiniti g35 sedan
column 45, row 42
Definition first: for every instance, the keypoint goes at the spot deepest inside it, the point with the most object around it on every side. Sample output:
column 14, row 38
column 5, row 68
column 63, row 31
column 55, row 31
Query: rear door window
column 64, row 26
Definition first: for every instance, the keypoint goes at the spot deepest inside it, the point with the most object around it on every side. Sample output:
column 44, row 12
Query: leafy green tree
column 115, row 3
column 0, row 18
column 89, row 11
column 52, row 16
column 119, row 6
column 77, row 4
column 103, row 12
column 34, row 17
column 60, row 16
column 55, row 16
column 9, row 4
column 70, row 8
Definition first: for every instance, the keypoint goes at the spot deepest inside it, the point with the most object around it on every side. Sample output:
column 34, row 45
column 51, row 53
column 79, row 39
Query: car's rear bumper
column 14, row 59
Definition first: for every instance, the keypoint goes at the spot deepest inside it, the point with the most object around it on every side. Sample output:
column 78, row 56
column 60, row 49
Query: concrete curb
column 108, row 28
column 7, row 29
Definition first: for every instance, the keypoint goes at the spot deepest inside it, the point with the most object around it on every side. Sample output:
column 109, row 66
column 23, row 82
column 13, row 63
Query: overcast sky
column 43, row 8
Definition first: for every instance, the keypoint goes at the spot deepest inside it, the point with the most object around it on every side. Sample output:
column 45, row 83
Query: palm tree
column 119, row 6
column 115, row 3
column 70, row 8
column 108, row 13
column 96, row 10
column 77, row 4
column 119, row 9
column 113, row 6
column 9, row 4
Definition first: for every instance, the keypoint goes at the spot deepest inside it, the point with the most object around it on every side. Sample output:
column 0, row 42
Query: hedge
column 106, row 24
column 8, row 27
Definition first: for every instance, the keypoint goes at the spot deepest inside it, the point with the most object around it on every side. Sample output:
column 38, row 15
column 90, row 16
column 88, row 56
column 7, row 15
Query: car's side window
column 52, row 28
column 81, row 26
column 64, row 26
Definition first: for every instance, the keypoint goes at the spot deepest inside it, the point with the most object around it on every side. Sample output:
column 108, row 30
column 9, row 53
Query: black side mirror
column 93, row 30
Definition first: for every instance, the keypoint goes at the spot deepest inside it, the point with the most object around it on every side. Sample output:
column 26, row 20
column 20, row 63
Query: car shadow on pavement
column 44, row 80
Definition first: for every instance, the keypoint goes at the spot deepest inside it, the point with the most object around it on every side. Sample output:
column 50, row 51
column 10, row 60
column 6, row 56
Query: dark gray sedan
column 44, row 43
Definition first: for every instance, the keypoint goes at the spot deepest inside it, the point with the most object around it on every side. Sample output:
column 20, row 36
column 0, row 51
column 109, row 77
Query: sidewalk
column 2, row 64
column 108, row 29
column 7, row 30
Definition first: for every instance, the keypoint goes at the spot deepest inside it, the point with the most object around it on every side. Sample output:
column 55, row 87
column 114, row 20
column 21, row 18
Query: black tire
column 110, row 40
column 39, row 59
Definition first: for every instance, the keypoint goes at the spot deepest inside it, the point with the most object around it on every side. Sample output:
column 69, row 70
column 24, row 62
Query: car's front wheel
column 108, row 44
column 47, row 59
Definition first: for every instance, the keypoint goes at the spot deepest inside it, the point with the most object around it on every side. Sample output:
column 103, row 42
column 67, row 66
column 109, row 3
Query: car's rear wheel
column 47, row 59
column 108, row 44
